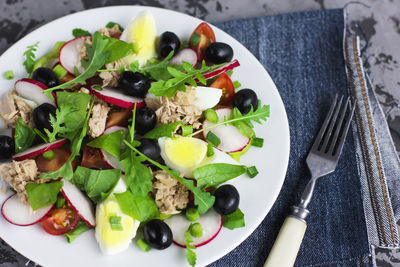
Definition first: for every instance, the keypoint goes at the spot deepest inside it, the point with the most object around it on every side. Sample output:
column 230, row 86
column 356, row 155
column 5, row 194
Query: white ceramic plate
column 257, row 195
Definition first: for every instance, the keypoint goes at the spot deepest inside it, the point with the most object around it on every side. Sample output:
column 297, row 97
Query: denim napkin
column 303, row 53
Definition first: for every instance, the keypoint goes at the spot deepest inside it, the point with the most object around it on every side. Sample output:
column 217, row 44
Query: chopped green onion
column 194, row 40
column 143, row 245
column 187, row 129
column 237, row 84
column 229, row 72
column 60, row 71
column 213, row 138
column 210, row 150
column 211, row 115
column 97, row 87
column 115, row 222
column 9, row 75
column 192, row 214
column 258, row 142
column 60, row 202
column 252, row 171
column 196, row 230
column 49, row 155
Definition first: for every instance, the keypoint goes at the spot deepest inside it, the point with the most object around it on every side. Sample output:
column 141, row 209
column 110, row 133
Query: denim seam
column 372, row 133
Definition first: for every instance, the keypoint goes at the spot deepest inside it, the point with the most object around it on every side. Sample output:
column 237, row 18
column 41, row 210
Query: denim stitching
column 372, row 133
column 359, row 259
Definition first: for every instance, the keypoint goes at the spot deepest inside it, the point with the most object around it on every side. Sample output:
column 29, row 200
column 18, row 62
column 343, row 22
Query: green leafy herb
column 23, row 136
column 210, row 149
column 213, row 138
column 233, row 220
column 109, row 142
column 195, row 39
column 229, row 72
column 60, row 71
column 237, row 84
column 112, row 24
column 190, row 254
column 143, row 245
column 115, row 222
column 41, row 135
column 103, row 50
column 157, row 70
column 166, row 130
column 78, row 230
column 252, row 171
column 138, row 207
column 258, row 142
column 9, row 75
column 217, row 173
column 180, row 79
column 43, row 195
column 52, row 54
column 78, row 32
column 30, row 57
column 98, row 184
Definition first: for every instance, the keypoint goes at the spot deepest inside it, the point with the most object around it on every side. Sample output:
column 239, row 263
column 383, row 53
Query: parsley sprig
column 30, row 57
column 190, row 254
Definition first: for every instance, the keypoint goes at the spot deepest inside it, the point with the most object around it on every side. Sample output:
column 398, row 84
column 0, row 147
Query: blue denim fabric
column 303, row 53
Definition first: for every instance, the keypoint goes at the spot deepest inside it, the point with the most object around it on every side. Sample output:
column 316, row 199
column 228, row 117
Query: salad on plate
column 132, row 133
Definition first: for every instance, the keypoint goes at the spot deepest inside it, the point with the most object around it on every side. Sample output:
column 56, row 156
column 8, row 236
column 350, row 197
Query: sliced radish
column 109, row 159
column 188, row 55
column 18, row 213
column 225, row 68
column 207, row 97
column 210, row 221
column 32, row 90
column 79, row 202
column 69, row 54
column 117, row 98
column 39, row 149
column 231, row 139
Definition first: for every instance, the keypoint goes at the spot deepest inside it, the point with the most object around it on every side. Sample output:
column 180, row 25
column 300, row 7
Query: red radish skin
column 38, row 150
column 223, row 69
column 188, row 55
column 69, row 54
column 33, row 90
column 20, row 214
column 109, row 159
column 231, row 138
column 79, row 202
column 210, row 221
column 116, row 98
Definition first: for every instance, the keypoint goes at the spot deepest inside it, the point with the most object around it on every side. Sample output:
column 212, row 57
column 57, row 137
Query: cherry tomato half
column 60, row 221
column 201, row 38
column 225, row 83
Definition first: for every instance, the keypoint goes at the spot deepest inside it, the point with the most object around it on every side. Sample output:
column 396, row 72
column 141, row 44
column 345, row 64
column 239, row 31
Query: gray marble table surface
column 377, row 22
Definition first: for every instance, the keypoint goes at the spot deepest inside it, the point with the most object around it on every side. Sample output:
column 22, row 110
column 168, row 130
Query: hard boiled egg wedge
column 112, row 239
column 184, row 154
column 142, row 33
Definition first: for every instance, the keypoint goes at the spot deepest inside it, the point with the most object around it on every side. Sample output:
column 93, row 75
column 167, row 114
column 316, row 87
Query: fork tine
column 339, row 126
column 331, row 125
column 344, row 133
column 324, row 125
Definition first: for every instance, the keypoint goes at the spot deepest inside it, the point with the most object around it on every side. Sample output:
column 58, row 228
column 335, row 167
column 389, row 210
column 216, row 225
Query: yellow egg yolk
column 185, row 152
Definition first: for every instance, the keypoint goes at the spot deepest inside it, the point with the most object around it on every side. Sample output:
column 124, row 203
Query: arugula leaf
column 49, row 56
column 217, row 173
column 204, row 200
column 112, row 23
column 98, row 184
column 30, row 57
column 233, row 220
column 142, row 208
column 80, row 228
column 103, row 50
column 163, row 130
column 43, row 195
column 78, row 32
column 157, row 70
column 109, row 142
column 180, row 79
column 23, row 136
column 66, row 171
column 190, row 254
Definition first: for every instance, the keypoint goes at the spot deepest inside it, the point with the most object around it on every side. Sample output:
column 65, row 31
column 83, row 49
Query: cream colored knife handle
column 287, row 244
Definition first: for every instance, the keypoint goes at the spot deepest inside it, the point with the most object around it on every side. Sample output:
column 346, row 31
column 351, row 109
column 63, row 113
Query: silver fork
column 321, row 160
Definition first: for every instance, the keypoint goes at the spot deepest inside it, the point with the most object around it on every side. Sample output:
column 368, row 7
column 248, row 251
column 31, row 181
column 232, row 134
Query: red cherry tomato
column 225, row 83
column 60, row 221
column 200, row 39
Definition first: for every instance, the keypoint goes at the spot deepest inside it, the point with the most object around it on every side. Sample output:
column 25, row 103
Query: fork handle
column 287, row 244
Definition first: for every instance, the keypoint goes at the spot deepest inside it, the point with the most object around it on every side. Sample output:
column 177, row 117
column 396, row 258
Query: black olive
column 134, row 84
column 218, row 53
column 244, row 99
column 157, row 234
column 45, row 76
column 145, row 120
column 7, row 147
column 168, row 42
column 41, row 116
column 226, row 199
column 150, row 148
